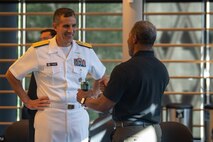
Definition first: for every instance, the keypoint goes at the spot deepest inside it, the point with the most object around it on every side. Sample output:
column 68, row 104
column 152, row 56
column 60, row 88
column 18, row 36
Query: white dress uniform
column 59, row 77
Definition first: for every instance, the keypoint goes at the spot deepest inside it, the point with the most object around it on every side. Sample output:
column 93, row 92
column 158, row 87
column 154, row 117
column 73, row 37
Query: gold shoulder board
column 84, row 44
column 40, row 43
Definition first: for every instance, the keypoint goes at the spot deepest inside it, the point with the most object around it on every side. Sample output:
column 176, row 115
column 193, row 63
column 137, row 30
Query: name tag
column 52, row 64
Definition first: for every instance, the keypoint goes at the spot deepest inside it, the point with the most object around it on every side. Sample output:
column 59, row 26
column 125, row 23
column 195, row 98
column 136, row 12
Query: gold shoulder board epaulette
column 84, row 44
column 40, row 43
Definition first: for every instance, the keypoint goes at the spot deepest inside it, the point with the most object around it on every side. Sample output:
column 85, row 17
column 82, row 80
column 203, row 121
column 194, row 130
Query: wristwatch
column 83, row 100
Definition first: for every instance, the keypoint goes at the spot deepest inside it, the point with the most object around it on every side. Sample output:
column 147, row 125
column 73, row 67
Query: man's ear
column 134, row 39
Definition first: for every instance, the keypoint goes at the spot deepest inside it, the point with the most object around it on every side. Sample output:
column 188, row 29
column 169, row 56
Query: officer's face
column 65, row 29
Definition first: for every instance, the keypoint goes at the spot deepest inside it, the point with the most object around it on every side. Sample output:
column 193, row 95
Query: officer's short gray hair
column 66, row 12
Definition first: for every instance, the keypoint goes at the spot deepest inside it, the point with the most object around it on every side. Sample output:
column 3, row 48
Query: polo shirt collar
column 139, row 53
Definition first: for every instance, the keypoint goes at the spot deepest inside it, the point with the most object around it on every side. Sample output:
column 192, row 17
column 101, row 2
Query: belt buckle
column 70, row 106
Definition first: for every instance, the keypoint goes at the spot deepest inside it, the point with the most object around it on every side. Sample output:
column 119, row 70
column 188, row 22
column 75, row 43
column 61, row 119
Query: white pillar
column 132, row 12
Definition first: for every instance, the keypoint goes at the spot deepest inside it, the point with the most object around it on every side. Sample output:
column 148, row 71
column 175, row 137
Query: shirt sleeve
column 25, row 64
column 97, row 69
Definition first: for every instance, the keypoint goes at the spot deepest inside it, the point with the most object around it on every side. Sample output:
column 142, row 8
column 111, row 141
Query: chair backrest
column 175, row 132
column 17, row 132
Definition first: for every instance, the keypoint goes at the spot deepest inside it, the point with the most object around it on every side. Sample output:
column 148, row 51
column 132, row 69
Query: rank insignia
column 40, row 43
column 80, row 62
column 84, row 44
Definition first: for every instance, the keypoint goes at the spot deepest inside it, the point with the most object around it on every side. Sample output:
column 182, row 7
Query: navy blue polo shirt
column 137, row 86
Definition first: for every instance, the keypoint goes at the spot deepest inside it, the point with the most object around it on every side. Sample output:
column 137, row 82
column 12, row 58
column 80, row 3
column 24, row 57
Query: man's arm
column 95, row 89
column 17, row 86
column 31, row 104
column 101, row 103
column 94, row 98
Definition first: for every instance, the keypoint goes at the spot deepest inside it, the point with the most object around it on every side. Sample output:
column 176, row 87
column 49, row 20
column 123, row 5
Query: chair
column 17, row 132
column 175, row 132
column 101, row 128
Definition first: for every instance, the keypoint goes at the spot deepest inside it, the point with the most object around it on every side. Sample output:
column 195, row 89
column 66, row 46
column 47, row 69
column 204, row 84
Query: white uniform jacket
column 59, row 77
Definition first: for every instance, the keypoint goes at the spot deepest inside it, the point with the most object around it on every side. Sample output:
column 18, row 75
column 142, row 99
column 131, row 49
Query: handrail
column 7, row 91
column 176, row 13
column 6, row 123
column 11, row 107
column 186, row 93
column 109, row 29
column 182, row 29
column 51, row 13
column 7, row 60
column 179, row 44
column 82, row 29
column 187, row 61
column 189, row 77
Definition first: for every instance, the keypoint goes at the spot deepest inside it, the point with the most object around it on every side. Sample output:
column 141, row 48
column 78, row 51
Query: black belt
column 65, row 106
column 131, row 123
column 70, row 106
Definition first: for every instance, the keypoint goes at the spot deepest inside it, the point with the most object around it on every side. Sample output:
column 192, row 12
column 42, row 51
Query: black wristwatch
column 83, row 100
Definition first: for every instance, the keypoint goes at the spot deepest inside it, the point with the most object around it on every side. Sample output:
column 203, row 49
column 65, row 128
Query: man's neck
column 142, row 48
column 60, row 43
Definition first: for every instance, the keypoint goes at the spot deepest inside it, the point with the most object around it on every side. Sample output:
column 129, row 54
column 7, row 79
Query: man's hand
column 103, row 83
column 83, row 94
column 38, row 104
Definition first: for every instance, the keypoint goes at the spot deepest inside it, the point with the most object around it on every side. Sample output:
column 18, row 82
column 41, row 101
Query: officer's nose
column 71, row 30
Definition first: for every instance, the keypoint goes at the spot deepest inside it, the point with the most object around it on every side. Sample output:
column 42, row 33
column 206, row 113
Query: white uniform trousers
column 61, row 125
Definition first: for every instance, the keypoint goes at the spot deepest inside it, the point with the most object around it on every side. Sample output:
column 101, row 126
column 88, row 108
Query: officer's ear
column 54, row 25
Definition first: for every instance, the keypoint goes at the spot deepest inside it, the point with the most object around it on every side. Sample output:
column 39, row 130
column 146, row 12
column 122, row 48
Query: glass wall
column 183, row 45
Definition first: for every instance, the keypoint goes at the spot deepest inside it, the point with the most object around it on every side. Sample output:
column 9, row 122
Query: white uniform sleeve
column 25, row 64
column 97, row 69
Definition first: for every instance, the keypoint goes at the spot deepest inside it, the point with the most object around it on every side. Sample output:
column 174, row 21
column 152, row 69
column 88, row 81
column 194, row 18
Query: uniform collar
column 54, row 49
column 53, row 46
column 74, row 45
